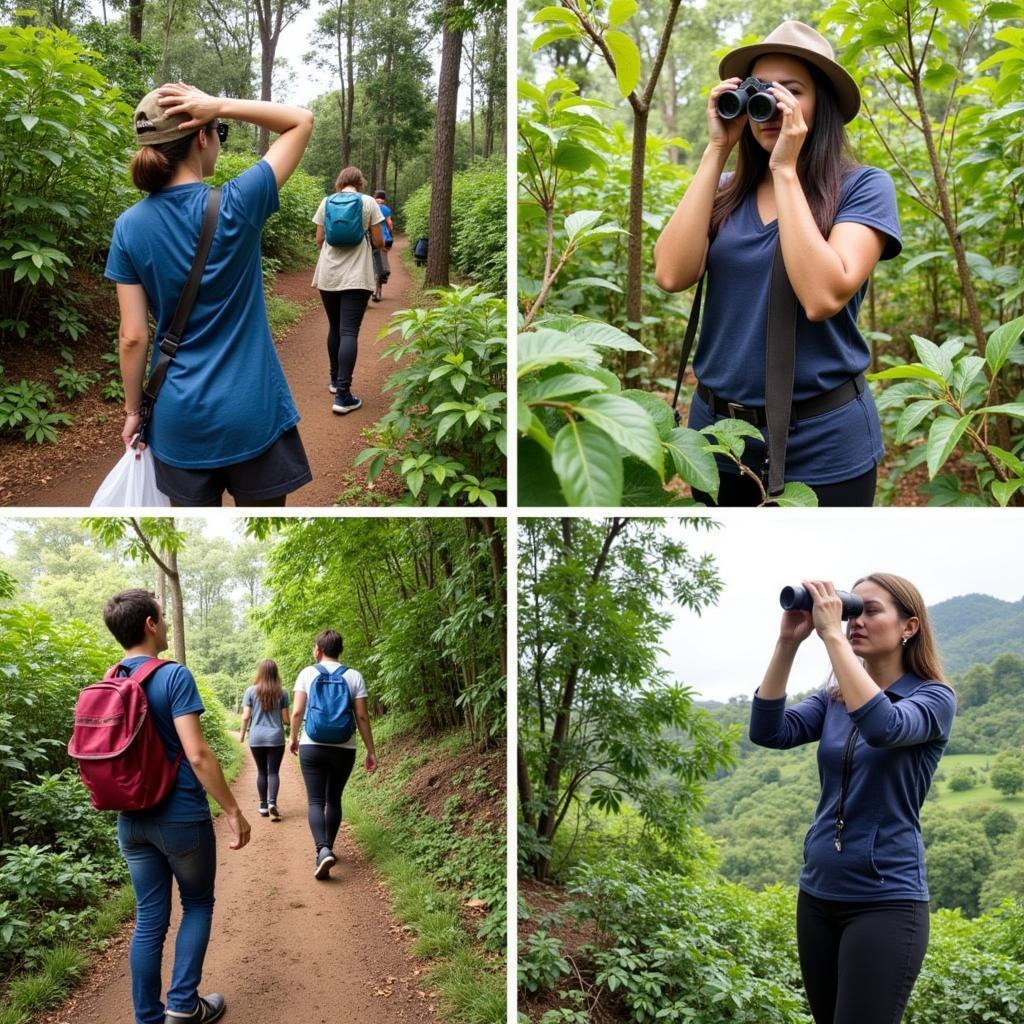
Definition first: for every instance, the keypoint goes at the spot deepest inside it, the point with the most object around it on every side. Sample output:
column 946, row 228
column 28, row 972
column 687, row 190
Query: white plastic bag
column 131, row 484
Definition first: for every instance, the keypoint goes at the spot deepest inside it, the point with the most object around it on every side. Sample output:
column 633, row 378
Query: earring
column 905, row 639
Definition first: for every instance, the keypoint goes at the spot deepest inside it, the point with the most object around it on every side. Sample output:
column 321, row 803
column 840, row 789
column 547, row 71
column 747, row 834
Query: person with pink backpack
column 141, row 751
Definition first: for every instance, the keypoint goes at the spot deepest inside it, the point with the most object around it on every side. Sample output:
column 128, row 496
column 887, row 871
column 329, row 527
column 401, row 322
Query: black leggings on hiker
column 344, row 315
column 268, row 766
column 860, row 960
column 737, row 491
column 325, row 771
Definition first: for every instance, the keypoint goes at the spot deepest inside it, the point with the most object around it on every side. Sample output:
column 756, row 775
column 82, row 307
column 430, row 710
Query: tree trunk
column 472, row 96
column 177, row 608
column 266, row 85
column 135, row 25
column 440, row 230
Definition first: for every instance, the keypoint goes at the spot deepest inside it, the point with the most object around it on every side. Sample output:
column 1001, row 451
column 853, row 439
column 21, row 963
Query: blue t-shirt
column 730, row 357
column 171, row 692
column 225, row 398
column 265, row 727
column 385, row 230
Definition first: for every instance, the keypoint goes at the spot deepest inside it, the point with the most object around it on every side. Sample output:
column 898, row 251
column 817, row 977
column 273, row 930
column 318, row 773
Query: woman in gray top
column 265, row 716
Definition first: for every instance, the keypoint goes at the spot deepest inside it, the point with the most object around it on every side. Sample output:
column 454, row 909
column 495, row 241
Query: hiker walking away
column 383, row 256
column 173, row 839
column 265, row 716
column 224, row 419
column 881, row 724
column 348, row 229
column 330, row 704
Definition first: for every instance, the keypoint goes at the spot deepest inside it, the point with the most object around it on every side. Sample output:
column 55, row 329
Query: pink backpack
column 122, row 760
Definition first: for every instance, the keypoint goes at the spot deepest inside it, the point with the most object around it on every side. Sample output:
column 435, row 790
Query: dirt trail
column 284, row 946
column 332, row 442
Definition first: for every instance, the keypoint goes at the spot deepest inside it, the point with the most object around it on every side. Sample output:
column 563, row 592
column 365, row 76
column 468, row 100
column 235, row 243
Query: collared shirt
column 902, row 732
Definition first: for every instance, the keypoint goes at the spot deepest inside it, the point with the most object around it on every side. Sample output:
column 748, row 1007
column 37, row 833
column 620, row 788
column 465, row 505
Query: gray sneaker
column 325, row 860
column 210, row 1008
column 345, row 402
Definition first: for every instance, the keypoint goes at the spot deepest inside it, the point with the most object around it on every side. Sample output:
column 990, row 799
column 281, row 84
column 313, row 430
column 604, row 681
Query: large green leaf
column 658, row 409
column 560, row 386
column 1003, row 492
column 942, row 439
column 1001, row 342
column 602, row 335
column 641, row 486
column 627, row 60
column 588, row 465
column 693, row 462
column 543, row 347
column 628, row 423
column 538, row 485
column 912, row 416
column 911, row 371
column 620, row 11
column 796, row 495
column 1007, row 409
column 580, row 221
column 556, row 14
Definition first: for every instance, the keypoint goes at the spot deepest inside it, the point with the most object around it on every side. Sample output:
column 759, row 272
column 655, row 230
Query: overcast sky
column 944, row 552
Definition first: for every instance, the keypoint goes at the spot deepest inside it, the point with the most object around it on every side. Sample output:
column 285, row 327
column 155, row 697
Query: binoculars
column 798, row 599
column 751, row 96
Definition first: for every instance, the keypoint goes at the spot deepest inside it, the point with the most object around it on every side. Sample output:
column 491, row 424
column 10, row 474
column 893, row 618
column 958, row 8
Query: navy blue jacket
column 902, row 732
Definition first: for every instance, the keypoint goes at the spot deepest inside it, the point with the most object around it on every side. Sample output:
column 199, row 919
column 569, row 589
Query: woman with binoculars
column 788, row 241
column 881, row 724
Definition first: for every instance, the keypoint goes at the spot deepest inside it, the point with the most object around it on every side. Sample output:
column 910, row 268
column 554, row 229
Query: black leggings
column 325, row 771
column 344, row 315
column 268, row 766
column 736, row 491
column 860, row 960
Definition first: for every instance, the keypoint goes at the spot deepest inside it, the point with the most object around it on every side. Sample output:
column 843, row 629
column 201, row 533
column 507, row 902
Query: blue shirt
column 902, row 733
column 731, row 353
column 265, row 727
column 171, row 692
column 225, row 398
column 385, row 230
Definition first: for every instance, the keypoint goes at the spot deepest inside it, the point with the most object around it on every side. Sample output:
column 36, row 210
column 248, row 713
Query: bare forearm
column 208, row 771
column 679, row 251
column 363, row 725
column 815, row 270
column 856, row 686
column 132, row 358
column 776, row 677
column 277, row 117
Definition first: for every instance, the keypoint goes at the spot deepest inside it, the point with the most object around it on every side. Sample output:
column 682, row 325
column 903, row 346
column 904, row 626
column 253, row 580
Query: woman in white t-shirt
column 344, row 277
column 326, row 766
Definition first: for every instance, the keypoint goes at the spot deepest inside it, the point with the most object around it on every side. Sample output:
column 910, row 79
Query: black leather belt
column 755, row 414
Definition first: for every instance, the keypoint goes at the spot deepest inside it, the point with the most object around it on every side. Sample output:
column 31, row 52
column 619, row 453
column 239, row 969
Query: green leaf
column 627, row 60
column 1008, row 459
column 581, row 221
column 537, row 483
column 642, row 487
column 1004, row 491
column 594, row 282
column 560, row 386
column 1008, row 409
column 620, row 11
column 942, row 439
column 543, row 347
column 414, row 481
column 29, row 121
column 588, row 465
column 912, row 416
column 555, row 14
column 933, row 357
column 602, row 335
column 796, row 495
column 1001, row 342
column 657, row 408
column 693, row 462
column 925, row 257
column 911, row 371
column 628, row 423
column 554, row 34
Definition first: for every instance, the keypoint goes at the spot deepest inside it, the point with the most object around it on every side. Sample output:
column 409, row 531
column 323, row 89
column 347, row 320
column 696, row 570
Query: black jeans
column 344, row 315
column 860, row 960
column 736, row 491
column 325, row 771
column 268, row 767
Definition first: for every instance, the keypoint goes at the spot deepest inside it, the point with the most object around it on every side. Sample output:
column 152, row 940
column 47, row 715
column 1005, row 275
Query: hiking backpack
column 419, row 251
column 343, row 219
column 330, row 715
column 121, row 758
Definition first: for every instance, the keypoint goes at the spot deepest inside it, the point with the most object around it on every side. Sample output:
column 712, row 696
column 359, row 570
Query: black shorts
column 281, row 469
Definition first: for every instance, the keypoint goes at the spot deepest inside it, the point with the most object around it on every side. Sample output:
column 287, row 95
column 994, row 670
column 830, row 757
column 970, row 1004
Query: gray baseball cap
column 153, row 125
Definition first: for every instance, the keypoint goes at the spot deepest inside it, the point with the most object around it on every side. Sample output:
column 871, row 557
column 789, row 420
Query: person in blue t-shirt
column 881, row 725
column 794, row 187
column 388, row 230
column 174, row 839
column 265, row 717
column 224, row 419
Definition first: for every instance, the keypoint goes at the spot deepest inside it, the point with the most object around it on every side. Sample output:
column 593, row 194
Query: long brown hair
column 268, row 685
column 824, row 161
column 919, row 654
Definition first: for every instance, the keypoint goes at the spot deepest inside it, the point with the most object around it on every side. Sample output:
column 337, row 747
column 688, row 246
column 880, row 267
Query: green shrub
column 479, row 231
column 215, row 723
column 963, row 779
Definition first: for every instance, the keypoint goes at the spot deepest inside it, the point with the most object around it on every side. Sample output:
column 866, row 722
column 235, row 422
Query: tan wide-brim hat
column 796, row 39
column 153, row 125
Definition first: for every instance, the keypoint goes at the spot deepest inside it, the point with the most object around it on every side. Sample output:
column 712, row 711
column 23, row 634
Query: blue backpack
column 343, row 219
column 330, row 715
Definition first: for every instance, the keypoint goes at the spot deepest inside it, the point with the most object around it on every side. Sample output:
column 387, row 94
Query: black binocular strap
column 780, row 362
column 172, row 338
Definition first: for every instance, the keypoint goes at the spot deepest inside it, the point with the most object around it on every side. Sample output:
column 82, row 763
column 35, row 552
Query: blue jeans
column 156, row 851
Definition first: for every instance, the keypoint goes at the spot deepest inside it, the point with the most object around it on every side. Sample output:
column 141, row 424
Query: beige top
column 341, row 267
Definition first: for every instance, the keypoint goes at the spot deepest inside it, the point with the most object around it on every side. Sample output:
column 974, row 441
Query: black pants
column 736, row 491
column 860, row 960
column 268, row 767
column 344, row 315
column 325, row 771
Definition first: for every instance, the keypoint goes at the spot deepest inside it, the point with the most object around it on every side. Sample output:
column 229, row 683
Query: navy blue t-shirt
column 225, row 398
column 171, row 692
column 730, row 357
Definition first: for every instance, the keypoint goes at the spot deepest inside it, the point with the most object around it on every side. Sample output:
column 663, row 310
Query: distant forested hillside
column 976, row 628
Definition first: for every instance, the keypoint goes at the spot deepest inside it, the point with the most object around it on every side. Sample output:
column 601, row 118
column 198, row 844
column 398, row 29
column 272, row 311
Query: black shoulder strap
column 172, row 338
column 780, row 360
column 691, row 333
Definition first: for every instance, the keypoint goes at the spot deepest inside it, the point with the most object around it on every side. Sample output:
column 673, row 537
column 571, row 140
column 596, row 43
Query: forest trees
column 593, row 701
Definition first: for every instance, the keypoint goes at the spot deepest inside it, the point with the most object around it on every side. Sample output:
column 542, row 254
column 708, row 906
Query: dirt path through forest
column 284, row 946
column 332, row 442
